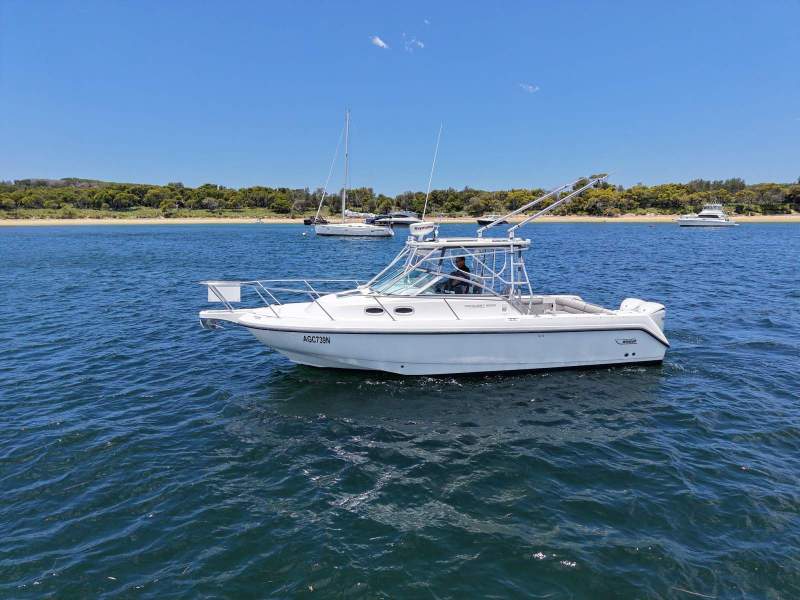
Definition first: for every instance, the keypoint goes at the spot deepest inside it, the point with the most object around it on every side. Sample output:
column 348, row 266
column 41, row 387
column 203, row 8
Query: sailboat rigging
column 344, row 228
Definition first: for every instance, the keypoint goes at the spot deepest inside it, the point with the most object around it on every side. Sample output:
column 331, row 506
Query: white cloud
column 529, row 88
column 376, row 41
column 413, row 44
column 426, row 21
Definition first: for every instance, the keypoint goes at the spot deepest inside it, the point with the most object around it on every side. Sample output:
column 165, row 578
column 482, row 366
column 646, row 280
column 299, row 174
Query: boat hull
column 705, row 223
column 464, row 352
column 353, row 230
column 488, row 221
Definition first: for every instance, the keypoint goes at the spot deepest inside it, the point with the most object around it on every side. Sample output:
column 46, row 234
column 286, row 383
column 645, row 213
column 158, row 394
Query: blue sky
column 530, row 93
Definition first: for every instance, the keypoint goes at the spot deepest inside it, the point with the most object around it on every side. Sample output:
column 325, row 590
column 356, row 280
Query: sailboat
column 345, row 228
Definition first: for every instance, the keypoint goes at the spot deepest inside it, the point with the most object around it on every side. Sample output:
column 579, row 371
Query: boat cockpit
column 455, row 266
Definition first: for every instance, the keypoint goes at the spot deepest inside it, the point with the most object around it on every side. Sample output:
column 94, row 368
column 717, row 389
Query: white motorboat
column 344, row 228
column 401, row 217
column 489, row 219
column 444, row 305
column 351, row 214
column 712, row 215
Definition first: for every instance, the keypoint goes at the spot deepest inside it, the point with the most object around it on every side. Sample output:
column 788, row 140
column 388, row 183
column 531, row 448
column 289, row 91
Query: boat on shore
column 445, row 306
column 712, row 215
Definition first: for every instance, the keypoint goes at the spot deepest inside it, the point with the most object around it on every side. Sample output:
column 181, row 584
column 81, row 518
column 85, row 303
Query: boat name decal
column 625, row 341
column 479, row 305
column 317, row 339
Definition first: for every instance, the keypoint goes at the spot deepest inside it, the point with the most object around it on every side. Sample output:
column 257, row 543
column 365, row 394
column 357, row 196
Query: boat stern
column 657, row 312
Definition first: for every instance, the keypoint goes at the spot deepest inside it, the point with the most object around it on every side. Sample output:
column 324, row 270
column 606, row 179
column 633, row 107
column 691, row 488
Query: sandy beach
column 793, row 218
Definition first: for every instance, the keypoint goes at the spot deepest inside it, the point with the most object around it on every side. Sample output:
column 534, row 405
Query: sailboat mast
column 346, row 158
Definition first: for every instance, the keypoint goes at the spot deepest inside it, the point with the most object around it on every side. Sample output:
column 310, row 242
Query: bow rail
column 269, row 291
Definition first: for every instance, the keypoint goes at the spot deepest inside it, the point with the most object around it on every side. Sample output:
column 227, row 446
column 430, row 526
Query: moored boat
column 400, row 217
column 489, row 219
column 344, row 228
column 445, row 305
column 354, row 229
column 712, row 215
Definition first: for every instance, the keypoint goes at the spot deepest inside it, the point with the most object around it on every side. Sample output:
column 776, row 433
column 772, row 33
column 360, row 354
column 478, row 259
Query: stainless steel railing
column 269, row 291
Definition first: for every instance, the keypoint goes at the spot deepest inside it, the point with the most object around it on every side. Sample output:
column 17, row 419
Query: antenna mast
column 433, row 166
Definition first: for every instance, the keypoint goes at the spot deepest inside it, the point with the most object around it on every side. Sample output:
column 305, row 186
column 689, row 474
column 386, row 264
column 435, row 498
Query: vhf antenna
column 433, row 166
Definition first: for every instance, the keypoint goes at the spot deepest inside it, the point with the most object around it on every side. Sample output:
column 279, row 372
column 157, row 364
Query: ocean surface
column 143, row 457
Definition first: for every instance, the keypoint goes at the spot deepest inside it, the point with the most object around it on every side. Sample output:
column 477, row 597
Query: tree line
column 25, row 195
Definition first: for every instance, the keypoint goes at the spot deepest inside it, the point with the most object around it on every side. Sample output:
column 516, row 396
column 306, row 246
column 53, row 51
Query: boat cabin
column 456, row 266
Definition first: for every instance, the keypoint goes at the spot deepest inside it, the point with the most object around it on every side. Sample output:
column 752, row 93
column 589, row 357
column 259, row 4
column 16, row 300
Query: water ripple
column 142, row 456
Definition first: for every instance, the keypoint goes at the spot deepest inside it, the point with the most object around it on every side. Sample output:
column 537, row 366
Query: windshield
column 399, row 282
column 452, row 270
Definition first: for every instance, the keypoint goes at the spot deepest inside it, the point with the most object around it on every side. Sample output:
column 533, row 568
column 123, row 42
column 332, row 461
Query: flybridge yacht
column 401, row 217
column 712, row 215
column 344, row 228
column 444, row 305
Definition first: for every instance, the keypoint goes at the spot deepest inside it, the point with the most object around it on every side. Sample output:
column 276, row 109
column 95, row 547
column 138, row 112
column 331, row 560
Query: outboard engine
column 657, row 312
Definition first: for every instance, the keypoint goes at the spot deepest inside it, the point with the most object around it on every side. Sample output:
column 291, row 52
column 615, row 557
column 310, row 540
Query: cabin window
column 403, row 310
column 373, row 310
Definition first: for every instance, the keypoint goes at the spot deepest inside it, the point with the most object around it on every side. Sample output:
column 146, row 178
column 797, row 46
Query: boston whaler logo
column 625, row 341
column 317, row 339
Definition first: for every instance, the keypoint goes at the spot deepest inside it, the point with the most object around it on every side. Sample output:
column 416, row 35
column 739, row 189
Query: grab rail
column 271, row 287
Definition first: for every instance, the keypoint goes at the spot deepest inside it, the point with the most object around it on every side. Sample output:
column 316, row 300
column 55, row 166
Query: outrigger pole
column 593, row 181
column 525, row 207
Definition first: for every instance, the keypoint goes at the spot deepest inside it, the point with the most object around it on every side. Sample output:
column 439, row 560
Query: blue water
column 141, row 456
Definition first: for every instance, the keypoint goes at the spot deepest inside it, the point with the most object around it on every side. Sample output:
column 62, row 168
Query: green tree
column 282, row 206
column 122, row 201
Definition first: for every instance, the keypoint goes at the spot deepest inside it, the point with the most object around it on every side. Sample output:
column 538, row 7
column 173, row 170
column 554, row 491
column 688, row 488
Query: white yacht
column 444, row 305
column 344, row 228
column 401, row 217
column 712, row 215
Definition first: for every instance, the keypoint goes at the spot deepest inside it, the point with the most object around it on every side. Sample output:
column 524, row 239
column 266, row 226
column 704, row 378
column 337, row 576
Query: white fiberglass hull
column 354, row 230
column 450, row 353
column 454, row 334
column 689, row 222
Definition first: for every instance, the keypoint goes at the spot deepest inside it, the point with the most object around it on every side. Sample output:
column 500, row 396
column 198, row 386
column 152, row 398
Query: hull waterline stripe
column 514, row 331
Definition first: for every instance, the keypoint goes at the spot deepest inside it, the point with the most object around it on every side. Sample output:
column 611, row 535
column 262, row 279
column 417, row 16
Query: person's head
column 460, row 262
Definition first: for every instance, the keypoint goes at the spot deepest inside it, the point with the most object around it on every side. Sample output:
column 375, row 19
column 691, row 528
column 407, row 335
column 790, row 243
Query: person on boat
column 462, row 272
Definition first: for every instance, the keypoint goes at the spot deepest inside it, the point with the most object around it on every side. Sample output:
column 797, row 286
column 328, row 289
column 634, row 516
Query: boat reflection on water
column 589, row 405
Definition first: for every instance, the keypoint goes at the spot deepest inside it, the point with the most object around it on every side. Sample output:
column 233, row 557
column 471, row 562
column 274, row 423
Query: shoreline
column 52, row 222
